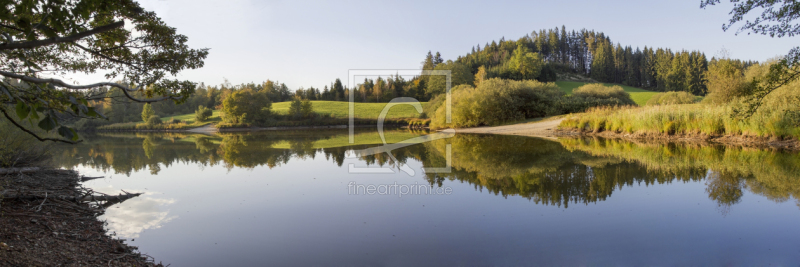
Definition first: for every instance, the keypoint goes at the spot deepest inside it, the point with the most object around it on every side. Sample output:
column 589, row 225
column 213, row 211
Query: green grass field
column 640, row 96
column 187, row 122
column 362, row 110
column 189, row 118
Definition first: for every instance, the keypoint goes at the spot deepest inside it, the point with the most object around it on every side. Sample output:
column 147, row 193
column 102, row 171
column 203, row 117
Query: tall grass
column 683, row 119
column 778, row 117
column 673, row 98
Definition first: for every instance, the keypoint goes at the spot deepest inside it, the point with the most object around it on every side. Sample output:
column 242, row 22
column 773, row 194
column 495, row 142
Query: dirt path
column 543, row 129
column 207, row 129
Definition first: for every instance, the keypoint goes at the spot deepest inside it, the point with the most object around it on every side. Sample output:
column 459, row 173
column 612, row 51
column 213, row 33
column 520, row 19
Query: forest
column 545, row 56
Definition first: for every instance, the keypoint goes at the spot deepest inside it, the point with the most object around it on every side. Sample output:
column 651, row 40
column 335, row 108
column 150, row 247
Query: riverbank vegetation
column 496, row 101
column 717, row 115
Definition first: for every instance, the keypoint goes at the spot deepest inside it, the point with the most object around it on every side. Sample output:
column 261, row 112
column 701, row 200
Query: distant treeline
column 542, row 55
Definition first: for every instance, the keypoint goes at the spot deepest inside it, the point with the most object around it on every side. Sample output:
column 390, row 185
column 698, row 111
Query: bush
column 595, row 91
column 246, row 106
column 672, row 98
column 19, row 149
column 496, row 101
column 154, row 120
column 296, row 108
column 202, row 114
column 726, row 80
column 307, row 109
column 173, row 121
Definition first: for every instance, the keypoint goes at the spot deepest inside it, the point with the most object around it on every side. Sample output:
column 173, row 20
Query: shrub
column 19, row 149
column 202, row 114
column 296, row 108
column 595, row 91
column 497, row 101
column 173, row 121
column 307, row 109
column 246, row 106
column 672, row 98
column 726, row 80
column 154, row 120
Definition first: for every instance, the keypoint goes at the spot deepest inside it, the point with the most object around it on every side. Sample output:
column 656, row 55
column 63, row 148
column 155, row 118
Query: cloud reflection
column 134, row 216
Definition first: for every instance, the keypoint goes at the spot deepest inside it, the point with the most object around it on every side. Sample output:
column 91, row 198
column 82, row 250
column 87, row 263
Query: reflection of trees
column 573, row 171
column 540, row 170
column 729, row 169
column 127, row 153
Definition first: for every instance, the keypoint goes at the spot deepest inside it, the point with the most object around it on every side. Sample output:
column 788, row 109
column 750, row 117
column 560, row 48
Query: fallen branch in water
column 85, row 178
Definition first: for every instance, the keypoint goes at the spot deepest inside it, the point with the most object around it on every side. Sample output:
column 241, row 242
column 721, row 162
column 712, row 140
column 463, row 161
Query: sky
column 311, row 43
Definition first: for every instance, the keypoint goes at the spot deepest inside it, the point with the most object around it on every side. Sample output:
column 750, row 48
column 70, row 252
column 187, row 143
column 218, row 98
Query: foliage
column 480, row 76
column 640, row 96
column 726, row 80
column 497, row 101
column 203, row 114
column 154, row 120
column 596, row 91
column 591, row 53
column 527, row 64
column 306, row 109
column 147, row 112
column 776, row 20
column 672, row 98
column 296, row 108
column 19, row 149
column 459, row 74
column 246, row 106
column 689, row 119
column 87, row 36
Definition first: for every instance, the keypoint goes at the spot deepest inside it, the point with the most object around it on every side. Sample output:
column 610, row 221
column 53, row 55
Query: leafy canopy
column 777, row 19
column 42, row 41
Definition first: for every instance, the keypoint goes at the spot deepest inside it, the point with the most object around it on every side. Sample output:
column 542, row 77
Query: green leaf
column 22, row 110
column 34, row 115
column 91, row 112
column 48, row 123
column 68, row 133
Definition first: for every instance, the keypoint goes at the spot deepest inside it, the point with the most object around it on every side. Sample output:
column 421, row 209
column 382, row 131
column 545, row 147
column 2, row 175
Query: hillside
column 640, row 96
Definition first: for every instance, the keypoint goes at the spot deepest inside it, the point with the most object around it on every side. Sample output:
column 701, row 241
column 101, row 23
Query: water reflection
column 572, row 171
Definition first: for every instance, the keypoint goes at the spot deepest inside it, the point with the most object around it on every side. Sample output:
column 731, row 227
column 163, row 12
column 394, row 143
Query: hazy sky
column 311, row 43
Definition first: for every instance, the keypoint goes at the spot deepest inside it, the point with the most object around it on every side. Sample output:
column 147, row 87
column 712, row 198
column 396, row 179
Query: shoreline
column 44, row 228
column 211, row 129
column 737, row 140
column 548, row 128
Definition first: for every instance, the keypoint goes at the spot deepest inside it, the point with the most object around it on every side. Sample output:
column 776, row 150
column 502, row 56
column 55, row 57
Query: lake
column 311, row 198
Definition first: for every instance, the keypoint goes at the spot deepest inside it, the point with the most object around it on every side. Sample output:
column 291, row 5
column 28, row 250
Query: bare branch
column 56, row 40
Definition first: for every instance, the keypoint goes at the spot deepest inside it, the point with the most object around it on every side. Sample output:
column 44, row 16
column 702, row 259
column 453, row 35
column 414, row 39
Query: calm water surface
column 291, row 199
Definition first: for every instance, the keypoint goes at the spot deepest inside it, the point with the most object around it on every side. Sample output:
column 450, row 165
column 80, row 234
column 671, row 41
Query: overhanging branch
column 56, row 82
column 56, row 40
column 32, row 133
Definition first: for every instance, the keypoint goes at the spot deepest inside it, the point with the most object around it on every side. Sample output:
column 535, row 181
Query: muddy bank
column 44, row 230
column 739, row 140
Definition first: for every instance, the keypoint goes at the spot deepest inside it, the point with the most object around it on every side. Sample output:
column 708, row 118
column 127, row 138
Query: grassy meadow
column 187, row 121
column 640, row 96
column 339, row 109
